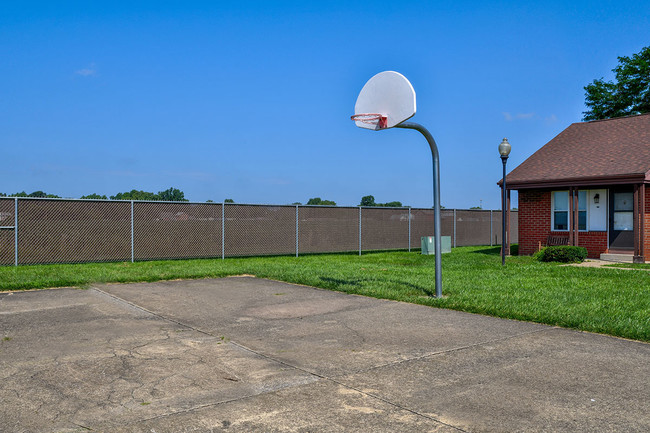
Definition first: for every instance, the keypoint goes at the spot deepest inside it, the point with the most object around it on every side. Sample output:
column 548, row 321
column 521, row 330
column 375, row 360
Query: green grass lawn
column 630, row 265
column 604, row 300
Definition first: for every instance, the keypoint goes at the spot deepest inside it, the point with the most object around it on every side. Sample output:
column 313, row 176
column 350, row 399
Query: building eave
column 579, row 181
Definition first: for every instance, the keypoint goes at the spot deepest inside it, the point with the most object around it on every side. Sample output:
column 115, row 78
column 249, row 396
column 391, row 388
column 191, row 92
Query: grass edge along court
column 603, row 300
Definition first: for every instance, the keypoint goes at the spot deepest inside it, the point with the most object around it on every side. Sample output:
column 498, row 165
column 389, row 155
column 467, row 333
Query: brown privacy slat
column 473, row 228
column 176, row 230
column 6, row 247
column 328, row 229
column 75, row 231
column 383, row 229
column 253, row 230
column 421, row 225
column 61, row 231
column 7, row 210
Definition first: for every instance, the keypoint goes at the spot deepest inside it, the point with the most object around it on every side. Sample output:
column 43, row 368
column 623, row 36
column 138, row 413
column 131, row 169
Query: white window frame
column 553, row 212
column 585, row 202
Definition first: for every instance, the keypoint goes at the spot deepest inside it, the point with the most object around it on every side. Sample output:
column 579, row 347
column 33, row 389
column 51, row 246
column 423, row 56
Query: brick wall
column 534, row 219
column 594, row 242
column 535, row 225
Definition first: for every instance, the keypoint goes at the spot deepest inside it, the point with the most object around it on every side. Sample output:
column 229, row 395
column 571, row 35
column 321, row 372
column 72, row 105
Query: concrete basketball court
column 245, row 354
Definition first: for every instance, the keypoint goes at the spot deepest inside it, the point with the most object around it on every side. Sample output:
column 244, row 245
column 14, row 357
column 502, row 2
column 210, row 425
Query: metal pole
column 223, row 230
column 296, row 230
column 16, row 231
column 503, row 214
column 436, row 198
column 490, row 227
column 359, row 230
column 454, row 228
column 132, row 235
column 409, row 230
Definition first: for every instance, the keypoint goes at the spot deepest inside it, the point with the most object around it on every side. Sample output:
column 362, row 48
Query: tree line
column 175, row 194
column 171, row 194
column 367, row 201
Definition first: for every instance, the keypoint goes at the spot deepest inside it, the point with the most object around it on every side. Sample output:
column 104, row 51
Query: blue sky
column 251, row 101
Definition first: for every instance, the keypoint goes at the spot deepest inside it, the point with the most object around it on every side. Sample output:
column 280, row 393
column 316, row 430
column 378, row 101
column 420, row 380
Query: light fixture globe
column 504, row 148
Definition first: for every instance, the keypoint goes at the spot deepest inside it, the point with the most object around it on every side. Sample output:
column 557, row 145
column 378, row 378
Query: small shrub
column 563, row 254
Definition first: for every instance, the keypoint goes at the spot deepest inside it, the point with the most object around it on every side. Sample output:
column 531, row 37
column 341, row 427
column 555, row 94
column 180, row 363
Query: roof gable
column 601, row 150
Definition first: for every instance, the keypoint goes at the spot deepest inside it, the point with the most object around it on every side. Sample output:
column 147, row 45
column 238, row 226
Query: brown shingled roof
column 601, row 151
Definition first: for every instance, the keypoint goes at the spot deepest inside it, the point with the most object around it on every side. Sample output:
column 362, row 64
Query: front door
column 621, row 219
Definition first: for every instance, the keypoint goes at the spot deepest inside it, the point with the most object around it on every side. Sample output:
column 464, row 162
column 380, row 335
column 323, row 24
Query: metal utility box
column 428, row 244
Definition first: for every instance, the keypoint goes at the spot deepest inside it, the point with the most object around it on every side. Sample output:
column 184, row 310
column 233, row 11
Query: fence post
column 16, row 231
column 359, row 230
column 132, row 235
column 223, row 230
column 296, row 230
column 409, row 229
column 454, row 228
column 491, row 222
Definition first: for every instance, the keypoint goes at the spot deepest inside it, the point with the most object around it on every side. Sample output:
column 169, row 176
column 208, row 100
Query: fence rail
column 40, row 231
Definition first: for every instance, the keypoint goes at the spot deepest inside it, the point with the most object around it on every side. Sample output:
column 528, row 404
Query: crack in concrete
column 217, row 403
column 450, row 350
column 295, row 367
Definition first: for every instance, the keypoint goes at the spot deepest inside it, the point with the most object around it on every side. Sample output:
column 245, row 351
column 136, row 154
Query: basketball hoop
column 391, row 94
column 377, row 119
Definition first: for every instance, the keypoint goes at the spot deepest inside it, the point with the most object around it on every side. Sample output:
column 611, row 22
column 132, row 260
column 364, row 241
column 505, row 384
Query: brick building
column 588, row 187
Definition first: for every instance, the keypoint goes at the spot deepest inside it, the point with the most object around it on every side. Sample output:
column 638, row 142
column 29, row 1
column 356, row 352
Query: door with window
column 621, row 219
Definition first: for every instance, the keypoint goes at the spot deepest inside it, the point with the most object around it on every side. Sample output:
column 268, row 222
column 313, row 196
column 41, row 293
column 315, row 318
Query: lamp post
column 504, row 151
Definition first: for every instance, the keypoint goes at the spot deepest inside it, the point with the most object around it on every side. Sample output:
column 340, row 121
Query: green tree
column 94, row 196
column 476, row 207
column 209, row 201
column 135, row 195
column 38, row 194
column 229, row 200
column 367, row 200
column 172, row 194
column 316, row 201
column 628, row 95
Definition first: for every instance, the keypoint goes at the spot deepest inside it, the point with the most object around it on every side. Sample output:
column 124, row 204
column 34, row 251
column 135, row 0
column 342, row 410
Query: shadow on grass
column 489, row 251
column 357, row 283
column 496, row 251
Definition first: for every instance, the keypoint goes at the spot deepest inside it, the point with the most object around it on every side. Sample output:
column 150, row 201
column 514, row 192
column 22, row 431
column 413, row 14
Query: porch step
column 622, row 258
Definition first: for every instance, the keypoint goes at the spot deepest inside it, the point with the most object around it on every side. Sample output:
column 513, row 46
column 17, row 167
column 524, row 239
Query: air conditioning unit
column 428, row 244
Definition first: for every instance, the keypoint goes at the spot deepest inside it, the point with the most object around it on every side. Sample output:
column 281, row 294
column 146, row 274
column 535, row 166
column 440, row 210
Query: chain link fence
column 40, row 231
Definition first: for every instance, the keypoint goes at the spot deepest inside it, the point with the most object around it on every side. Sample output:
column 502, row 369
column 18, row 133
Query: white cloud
column 519, row 116
column 525, row 115
column 551, row 119
column 87, row 72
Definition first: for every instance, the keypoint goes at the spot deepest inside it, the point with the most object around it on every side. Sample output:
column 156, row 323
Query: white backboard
column 388, row 93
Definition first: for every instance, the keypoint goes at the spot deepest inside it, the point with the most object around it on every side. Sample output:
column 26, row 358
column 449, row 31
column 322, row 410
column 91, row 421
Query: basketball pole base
column 436, row 199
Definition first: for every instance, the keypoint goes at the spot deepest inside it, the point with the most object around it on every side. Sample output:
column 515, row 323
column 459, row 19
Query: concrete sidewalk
column 244, row 354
